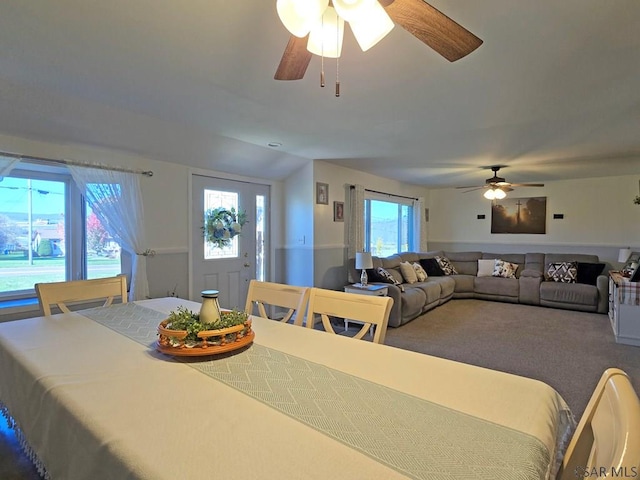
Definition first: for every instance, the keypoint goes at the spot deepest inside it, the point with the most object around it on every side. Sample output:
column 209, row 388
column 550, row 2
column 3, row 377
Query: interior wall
column 165, row 198
column 599, row 217
column 330, row 238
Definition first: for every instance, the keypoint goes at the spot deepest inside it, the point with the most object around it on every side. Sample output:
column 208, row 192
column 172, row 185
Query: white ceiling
column 552, row 93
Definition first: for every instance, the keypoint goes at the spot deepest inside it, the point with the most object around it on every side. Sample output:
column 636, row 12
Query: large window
column 48, row 233
column 388, row 225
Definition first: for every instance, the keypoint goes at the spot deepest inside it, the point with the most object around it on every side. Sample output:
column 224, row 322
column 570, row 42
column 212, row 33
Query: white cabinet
column 624, row 312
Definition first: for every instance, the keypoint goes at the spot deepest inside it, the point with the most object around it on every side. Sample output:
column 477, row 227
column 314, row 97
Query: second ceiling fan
column 497, row 187
column 423, row 21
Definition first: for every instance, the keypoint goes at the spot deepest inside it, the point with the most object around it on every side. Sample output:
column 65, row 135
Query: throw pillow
column 388, row 278
column 446, row 266
column 408, row 273
column 485, row 267
column 420, row 273
column 431, row 266
column 588, row 272
column 504, row 269
column 565, row 272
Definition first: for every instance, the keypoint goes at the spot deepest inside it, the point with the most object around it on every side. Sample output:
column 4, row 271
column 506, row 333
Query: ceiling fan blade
column 295, row 60
column 433, row 27
column 527, row 184
column 473, row 186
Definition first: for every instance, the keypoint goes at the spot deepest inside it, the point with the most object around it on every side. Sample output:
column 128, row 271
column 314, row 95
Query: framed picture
column 338, row 211
column 322, row 193
column 519, row 215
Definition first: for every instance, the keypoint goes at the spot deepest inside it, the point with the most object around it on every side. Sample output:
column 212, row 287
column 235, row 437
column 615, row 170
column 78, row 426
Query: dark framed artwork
column 322, row 193
column 338, row 211
column 519, row 215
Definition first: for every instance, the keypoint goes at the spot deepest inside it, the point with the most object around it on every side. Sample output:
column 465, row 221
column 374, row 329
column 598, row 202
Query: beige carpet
column 565, row 349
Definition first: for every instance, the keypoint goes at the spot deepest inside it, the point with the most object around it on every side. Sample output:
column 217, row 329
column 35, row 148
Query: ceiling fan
column 497, row 187
column 423, row 21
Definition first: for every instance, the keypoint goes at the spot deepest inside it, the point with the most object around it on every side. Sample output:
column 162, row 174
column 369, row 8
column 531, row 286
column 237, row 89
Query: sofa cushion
column 465, row 263
column 432, row 267
column 413, row 301
column 485, row 267
column 408, row 273
column 431, row 289
column 446, row 266
column 386, row 277
column 504, row 269
column 420, row 273
column 563, row 272
column 503, row 287
column 588, row 272
column 575, row 293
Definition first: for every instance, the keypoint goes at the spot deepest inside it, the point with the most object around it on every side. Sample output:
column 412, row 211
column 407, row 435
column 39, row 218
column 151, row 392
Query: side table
column 624, row 309
column 374, row 290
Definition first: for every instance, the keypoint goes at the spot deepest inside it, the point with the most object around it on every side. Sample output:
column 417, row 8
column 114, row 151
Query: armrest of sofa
column 395, row 316
column 602, row 284
column 531, row 273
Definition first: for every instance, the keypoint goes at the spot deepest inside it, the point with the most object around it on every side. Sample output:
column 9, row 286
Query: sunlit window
column 43, row 237
column 388, row 227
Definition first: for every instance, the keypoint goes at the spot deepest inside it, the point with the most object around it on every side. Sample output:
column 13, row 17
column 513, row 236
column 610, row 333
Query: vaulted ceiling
column 551, row 94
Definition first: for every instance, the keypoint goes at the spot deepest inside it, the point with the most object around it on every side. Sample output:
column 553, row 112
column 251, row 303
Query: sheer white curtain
column 356, row 220
column 116, row 199
column 419, row 226
column 6, row 164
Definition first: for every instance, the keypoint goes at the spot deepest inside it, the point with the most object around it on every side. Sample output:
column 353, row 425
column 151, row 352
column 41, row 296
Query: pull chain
column 337, row 62
column 322, row 57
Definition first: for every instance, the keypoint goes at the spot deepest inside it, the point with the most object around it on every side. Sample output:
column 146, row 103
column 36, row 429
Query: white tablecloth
column 94, row 404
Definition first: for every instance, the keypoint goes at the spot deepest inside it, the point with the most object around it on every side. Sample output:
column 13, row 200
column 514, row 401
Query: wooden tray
column 209, row 349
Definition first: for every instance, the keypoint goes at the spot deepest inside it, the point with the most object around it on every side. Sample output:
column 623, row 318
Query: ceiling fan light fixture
column 371, row 25
column 325, row 37
column 299, row 16
column 353, row 9
column 499, row 194
column 490, row 194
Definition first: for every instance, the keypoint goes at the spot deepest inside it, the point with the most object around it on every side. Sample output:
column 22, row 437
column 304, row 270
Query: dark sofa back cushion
column 588, row 272
column 431, row 266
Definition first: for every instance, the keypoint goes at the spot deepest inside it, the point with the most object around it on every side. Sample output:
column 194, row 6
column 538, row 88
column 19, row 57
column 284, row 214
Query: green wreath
column 221, row 225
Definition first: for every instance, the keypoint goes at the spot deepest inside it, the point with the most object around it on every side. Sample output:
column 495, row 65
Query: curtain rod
column 385, row 193
column 147, row 173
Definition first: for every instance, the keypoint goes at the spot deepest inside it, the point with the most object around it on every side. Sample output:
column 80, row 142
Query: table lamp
column 624, row 254
column 363, row 261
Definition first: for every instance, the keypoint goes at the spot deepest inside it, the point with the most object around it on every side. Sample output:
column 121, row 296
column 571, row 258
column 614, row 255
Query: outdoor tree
column 97, row 236
column 7, row 232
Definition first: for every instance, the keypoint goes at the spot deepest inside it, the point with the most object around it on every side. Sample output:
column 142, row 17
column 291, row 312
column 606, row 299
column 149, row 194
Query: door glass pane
column 32, row 233
column 260, row 234
column 103, row 252
column 215, row 199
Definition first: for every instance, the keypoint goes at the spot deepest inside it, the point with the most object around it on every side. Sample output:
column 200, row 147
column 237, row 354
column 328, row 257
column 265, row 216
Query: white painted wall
column 599, row 216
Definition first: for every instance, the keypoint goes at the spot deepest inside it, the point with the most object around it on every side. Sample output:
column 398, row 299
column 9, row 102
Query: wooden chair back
column 289, row 297
column 367, row 309
column 607, row 438
column 64, row 293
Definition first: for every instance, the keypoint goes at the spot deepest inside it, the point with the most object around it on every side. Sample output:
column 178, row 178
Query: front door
column 229, row 268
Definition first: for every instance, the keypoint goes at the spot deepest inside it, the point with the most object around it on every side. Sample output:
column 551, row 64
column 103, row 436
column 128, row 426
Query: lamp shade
column 299, row 16
column 490, row 194
column 363, row 260
column 500, row 194
column 623, row 255
column 371, row 25
column 325, row 37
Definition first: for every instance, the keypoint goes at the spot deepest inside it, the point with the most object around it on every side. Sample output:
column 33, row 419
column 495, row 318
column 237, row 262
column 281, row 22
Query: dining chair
column 271, row 294
column 366, row 309
column 607, row 438
column 63, row 293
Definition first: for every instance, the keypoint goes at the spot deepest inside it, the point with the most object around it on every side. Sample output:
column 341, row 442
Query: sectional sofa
column 529, row 283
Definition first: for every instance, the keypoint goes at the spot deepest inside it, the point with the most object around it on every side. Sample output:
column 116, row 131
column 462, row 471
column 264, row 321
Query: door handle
column 247, row 264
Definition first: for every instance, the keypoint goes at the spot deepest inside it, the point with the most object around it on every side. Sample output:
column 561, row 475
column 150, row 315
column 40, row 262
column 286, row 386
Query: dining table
column 92, row 398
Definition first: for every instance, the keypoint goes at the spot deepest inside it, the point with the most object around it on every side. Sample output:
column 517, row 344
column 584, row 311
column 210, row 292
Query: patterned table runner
column 418, row 438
